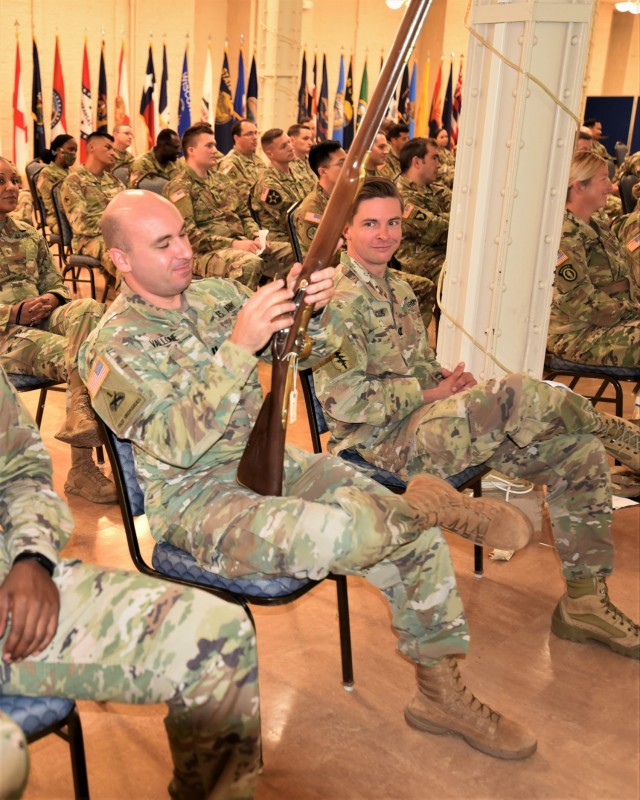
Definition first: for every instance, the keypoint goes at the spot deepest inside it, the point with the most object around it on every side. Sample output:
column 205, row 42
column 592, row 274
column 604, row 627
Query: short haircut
column 165, row 136
column 271, row 135
column 372, row 189
column 190, row 136
column 294, row 130
column 99, row 135
column 585, row 136
column 397, row 130
column 303, row 120
column 320, row 153
column 591, row 123
column 415, row 148
column 237, row 128
column 118, row 128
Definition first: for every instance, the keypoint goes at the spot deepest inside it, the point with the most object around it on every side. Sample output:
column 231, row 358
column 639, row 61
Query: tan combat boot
column 444, row 705
column 585, row 612
column 87, row 480
column 80, row 428
column 621, row 440
column 491, row 523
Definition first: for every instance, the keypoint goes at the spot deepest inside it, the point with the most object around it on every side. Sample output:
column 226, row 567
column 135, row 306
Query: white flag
column 206, row 107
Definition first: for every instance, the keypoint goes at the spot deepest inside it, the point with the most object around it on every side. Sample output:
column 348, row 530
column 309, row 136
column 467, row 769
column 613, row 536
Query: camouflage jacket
column 425, row 225
column 173, row 383
column 242, row 169
column 43, row 526
column 84, row 198
column 391, row 168
column 447, row 167
column 375, row 380
column 305, row 176
column 23, row 212
column 590, row 259
column 148, row 166
column 50, row 176
column 272, row 196
column 26, row 268
column 122, row 159
column 214, row 210
column 629, row 235
column 308, row 216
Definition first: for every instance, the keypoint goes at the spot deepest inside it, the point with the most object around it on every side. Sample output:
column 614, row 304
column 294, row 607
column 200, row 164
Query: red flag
column 455, row 111
column 435, row 115
column 86, row 125
column 58, row 117
column 19, row 118
column 147, row 105
column 122, row 95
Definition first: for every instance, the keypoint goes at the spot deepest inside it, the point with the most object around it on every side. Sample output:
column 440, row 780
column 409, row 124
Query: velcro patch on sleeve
column 310, row 216
column 568, row 273
column 178, row 195
column 634, row 244
column 98, row 376
column 562, row 257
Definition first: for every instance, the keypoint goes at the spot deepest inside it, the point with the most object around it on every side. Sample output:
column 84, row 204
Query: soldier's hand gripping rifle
column 262, row 463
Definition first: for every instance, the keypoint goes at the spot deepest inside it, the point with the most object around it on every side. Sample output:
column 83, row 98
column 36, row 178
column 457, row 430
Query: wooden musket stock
column 262, row 463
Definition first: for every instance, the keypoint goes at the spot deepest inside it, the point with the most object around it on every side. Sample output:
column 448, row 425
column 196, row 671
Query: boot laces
column 619, row 617
column 623, row 434
column 469, row 699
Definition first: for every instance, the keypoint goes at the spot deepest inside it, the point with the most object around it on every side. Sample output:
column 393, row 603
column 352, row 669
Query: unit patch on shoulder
column 339, row 361
column 121, row 406
column 568, row 273
column 271, row 197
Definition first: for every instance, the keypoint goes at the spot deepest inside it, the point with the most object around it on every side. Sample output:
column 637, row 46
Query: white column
column 514, row 152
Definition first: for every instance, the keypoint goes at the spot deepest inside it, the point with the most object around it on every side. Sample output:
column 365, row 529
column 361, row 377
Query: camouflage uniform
column 126, row 637
column 272, row 196
column 391, row 168
column 243, row 170
column 371, row 391
column 629, row 236
column 216, row 214
column 307, row 218
column 148, row 166
column 588, row 323
column 49, row 350
column 303, row 173
column 122, row 159
column 425, row 227
column 600, row 150
column 447, row 166
column 24, row 210
column 173, row 383
column 48, row 177
column 84, row 197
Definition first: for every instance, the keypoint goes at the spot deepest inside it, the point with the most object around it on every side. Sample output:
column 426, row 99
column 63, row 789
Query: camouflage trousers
column 245, row 268
column 129, row 638
column 331, row 519
column 51, row 349
column 425, row 292
column 95, row 247
column 527, row 429
column 617, row 345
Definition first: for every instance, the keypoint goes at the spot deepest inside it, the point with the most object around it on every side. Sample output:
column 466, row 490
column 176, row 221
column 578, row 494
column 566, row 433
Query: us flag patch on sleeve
column 561, row 258
column 634, row 244
column 97, row 377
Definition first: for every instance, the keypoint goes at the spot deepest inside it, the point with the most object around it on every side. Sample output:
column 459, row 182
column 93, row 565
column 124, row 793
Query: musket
column 262, row 464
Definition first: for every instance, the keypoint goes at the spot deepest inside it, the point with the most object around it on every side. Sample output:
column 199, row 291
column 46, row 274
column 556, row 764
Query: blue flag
column 411, row 105
column 323, row 105
column 102, row 122
column 238, row 99
column 348, row 127
column 252, row 93
column 303, row 91
column 39, row 144
column 224, row 110
column 338, row 105
column 184, row 102
column 447, row 109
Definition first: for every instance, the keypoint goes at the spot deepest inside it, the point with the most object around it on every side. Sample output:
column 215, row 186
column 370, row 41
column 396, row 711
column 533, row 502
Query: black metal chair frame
column 627, row 182
column 293, row 234
column 242, row 599
column 153, row 183
column 40, row 211
column 397, row 486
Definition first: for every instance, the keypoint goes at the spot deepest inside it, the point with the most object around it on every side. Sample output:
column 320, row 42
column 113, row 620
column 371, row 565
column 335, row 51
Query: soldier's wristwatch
column 42, row 560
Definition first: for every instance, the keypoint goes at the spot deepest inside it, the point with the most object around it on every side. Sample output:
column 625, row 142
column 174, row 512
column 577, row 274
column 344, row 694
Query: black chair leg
column 478, row 552
column 40, row 409
column 345, row 631
column 78, row 761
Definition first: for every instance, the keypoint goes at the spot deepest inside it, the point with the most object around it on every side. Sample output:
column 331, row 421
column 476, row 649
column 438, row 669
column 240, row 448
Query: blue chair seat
column 24, row 383
column 35, row 714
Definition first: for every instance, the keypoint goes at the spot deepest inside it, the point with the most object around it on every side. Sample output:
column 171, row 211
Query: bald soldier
column 75, row 630
column 183, row 358
column 222, row 232
column 85, row 194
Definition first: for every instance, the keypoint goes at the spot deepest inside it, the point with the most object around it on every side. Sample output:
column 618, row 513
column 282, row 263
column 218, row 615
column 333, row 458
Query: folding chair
column 628, row 201
column 293, row 234
column 32, row 170
column 154, row 183
column 121, row 172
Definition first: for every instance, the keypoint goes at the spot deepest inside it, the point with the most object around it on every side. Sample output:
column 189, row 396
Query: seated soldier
column 326, row 159
column 629, row 233
column 222, row 232
column 161, row 161
column 397, row 137
column 425, row 219
column 59, row 160
column 277, row 188
column 122, row 139
column 84, row 632
column 41, row 331
column 447, row 158
column 188, row 406
column 241, row 164
column 302, row 139
column 85, row 194
column 385, row 395
column 595, row 311
column 377, row 156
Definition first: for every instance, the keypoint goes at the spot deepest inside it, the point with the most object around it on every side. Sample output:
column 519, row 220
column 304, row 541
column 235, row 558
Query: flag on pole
column 39, row 143
column 121, row 114
column 147, row 104
column 19, row 116
column 303, row 90
column 435, row 114
column 422, row 122
column 322, row 130
column 58, row 116
column 102, row 123
column 184, row 101
column 252, row 93
column 411, row 103
column 403, row 100
column 312, row 110
column 224, row 109
column 164, row 114
column 363, row 99
column 86, row 111
column 456, row 109
column 206, row 101
column 338, row 105
column 349, row 121
column 238, row 98
column 447, row 109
